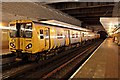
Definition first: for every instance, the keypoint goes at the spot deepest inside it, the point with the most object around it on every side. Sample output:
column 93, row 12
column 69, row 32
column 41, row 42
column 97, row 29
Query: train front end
column 20, row 37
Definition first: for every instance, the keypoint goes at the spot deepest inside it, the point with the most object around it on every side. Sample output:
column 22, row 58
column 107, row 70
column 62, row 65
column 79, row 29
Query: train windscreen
column 13, row 30
column 23, row 30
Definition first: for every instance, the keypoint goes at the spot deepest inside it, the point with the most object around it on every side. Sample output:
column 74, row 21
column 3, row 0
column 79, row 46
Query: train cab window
column 21, row 30
column 26, row 30
column 41, row 34
column 13, row 30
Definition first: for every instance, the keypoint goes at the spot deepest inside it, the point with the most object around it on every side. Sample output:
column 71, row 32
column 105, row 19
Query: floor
column 5, row 52
column 103, row 63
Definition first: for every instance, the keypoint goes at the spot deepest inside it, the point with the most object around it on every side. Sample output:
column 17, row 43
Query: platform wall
column 5, row 39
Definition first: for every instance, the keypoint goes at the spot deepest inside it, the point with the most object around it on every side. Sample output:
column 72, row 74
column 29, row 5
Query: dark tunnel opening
column 103, row 34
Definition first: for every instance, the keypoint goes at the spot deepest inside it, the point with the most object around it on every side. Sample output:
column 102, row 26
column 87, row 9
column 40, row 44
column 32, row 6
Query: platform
column 103, row 63
column 6, row 57
column 5, row 52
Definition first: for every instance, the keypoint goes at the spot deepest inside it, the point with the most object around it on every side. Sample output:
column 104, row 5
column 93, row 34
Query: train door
column 19, row 35
column 83, row 37
column 47, row 38
column 42, row 39
column 69, row 36
column 19, row 39
column 80, row 34
column 66, row 37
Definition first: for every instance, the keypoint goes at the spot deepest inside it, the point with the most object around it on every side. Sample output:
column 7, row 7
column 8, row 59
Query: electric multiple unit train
column 28, row 39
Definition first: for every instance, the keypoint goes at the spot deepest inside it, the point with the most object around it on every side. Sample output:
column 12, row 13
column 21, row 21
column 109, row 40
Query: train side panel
column 38, row 39
column 75, row 36
column 53, row 38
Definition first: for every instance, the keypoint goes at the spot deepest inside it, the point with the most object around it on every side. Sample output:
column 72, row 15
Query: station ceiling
column 69, row 11
column 34, row 11
column 88, row 12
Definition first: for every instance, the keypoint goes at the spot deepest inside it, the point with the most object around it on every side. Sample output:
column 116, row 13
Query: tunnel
column 103, row 34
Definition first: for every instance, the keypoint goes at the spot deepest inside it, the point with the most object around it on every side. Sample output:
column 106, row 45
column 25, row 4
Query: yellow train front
column 21, row 38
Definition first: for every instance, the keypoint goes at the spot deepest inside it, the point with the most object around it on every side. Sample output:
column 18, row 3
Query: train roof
column 62, row 25
column 55, row 23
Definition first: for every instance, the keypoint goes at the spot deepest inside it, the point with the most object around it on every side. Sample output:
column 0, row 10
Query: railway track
column 7, row 58
column 68, row 68
column 53, row 67
column 9, row 61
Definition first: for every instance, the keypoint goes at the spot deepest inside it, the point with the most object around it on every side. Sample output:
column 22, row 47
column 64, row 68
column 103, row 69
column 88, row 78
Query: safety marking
column 5, row 53
column 85, row 62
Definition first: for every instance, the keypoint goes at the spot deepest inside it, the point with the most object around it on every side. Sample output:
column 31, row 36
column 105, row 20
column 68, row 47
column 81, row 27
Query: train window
column 76, row 35
column 41, row 37
column 59, row 36
column 12, row 33
column 46, row 34
column 41, row 34
column 28, row 30
column 21, row 30
column 13, row 30
column 73, row 35
column 41, row 31
column 82, row 34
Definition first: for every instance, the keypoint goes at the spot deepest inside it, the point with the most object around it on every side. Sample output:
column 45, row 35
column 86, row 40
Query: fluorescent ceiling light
column 4, row 27
column 109, row 23
column 7, row 28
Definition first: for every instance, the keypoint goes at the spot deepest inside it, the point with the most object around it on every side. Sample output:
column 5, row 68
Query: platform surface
column 5, row 52
column 103, row 63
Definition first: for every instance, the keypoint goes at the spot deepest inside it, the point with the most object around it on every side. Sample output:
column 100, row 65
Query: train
column 30, row 39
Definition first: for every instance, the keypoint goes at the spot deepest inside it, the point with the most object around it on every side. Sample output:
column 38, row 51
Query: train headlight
column 29, row 46
column 12, row 45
